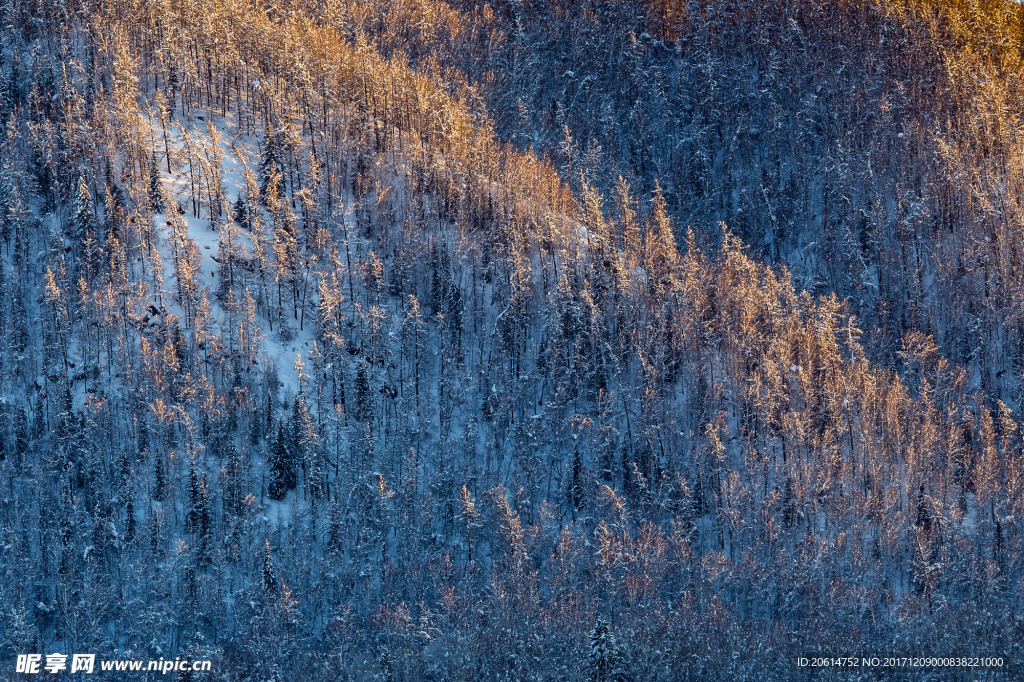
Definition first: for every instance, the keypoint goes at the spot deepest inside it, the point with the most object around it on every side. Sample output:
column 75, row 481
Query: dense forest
column 517, row 340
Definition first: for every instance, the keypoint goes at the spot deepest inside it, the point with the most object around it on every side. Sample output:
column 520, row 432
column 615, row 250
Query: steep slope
column 528, row 432
column 871, row 146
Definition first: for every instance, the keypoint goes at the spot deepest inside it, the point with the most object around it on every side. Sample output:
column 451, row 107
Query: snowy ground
column 238, row 152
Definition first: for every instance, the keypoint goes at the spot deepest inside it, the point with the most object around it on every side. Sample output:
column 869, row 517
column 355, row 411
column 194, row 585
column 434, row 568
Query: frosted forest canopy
column 591, row 340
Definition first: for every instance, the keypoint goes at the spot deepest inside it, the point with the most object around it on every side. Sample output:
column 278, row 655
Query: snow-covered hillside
column 348, row 340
